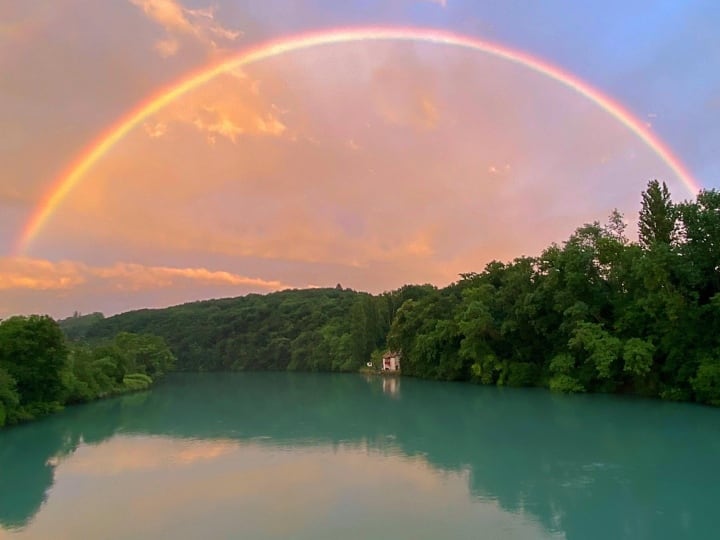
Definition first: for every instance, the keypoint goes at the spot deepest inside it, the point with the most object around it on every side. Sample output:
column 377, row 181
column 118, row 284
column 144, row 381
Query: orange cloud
column 180, row 22
column 157, row 129
column 24, row 273
column 27, row 273
column 229, row 106
column 135, row 277
column 59, row 288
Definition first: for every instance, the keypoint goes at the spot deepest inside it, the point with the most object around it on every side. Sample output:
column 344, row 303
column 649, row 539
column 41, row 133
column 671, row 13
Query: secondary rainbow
column 64, row 184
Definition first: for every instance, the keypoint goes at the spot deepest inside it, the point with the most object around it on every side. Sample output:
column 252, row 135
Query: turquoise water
column 319, row 456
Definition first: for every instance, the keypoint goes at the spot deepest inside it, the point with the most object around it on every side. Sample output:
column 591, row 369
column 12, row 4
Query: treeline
column 305, row 330
column 40, row 371
column 599, row 313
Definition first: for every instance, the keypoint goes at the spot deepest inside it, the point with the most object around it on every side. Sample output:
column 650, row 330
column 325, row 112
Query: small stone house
column 391, row 361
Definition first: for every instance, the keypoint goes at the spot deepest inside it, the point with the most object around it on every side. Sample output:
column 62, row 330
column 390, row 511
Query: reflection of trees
column 26, row 469
column 29, row 453
column 645, row 467
column 23, row 482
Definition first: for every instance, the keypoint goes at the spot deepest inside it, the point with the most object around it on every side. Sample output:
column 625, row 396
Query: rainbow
column 68, row 181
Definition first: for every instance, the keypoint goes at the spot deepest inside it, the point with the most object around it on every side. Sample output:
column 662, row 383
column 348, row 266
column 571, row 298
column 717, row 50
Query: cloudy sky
column 370, row 163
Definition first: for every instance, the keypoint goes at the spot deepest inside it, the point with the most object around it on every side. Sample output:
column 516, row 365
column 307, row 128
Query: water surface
column 319, row 456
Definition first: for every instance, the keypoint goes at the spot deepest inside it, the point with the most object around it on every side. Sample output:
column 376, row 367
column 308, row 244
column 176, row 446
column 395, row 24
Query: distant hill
column 331, row 329
column 77, row 326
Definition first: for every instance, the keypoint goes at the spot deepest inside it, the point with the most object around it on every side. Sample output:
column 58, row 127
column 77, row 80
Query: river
column 323, row 456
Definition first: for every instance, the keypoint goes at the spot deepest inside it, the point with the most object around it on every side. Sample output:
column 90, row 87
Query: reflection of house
column 391, row 361
column 391, row 386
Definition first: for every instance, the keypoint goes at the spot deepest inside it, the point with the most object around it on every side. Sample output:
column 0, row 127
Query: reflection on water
column 391, row 386
column 326, row 455
column 177, row 488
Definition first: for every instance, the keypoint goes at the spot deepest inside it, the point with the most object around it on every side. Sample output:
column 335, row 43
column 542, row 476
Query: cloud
column 23, row 273
column 31, row 285
column 38, row 274
column 441, row 3
column 166, row 13
column 128, row 276
column 167, row 47
column 36, row 285
column 229, row 106
column 232, row 121
column 180, row 23
column 156, row 129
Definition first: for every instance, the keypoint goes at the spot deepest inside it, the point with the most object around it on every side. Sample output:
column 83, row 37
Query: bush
column 521, row 374
column 706, row 383
column 675, row 394
column 565, row 384
column 137, row 381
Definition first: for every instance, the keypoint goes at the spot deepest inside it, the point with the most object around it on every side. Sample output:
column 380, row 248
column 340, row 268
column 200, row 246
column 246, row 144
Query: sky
column 369, row 162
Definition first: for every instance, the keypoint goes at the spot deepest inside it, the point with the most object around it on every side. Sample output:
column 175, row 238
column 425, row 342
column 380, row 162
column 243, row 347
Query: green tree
column 9, row 398
column 700, row 247
column 33, row 352
column 563, row 380
column 706, row 382
column 600, row 348
column 657, row 216
column 638, row 357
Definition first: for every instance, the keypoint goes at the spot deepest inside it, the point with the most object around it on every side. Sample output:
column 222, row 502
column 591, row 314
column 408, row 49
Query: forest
column 599, row 313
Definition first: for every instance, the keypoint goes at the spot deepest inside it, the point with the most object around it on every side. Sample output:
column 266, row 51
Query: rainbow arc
column 67, row 182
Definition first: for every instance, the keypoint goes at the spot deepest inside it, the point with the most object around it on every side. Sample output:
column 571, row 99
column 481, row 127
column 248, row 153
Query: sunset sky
column 369, row 162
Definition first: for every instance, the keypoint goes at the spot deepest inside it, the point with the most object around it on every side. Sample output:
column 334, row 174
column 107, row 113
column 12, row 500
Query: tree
column 600, row 348
column 706, row 383
column 143, row 353
column 33, row 352
column 701, row 242
column 9, row 398
column 657, row 216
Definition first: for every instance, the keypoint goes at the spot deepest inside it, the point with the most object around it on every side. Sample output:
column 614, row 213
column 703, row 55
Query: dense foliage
column 40, row 371
column 309, row 330
column 599, row 313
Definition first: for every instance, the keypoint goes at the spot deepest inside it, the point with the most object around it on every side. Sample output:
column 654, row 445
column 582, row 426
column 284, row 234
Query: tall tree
column 657, row 216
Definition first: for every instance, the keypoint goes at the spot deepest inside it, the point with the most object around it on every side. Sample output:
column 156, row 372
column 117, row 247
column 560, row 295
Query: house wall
column 391, row 364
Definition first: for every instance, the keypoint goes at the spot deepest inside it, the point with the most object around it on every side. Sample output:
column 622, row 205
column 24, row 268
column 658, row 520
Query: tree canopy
column 40, row 371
